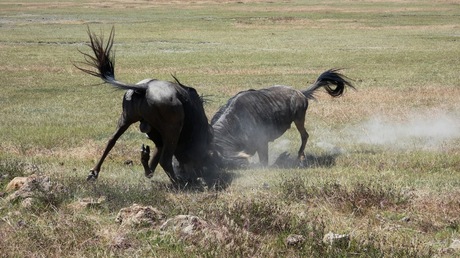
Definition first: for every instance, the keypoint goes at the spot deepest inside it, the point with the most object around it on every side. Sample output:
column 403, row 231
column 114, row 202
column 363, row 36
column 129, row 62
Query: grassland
column 394, row 180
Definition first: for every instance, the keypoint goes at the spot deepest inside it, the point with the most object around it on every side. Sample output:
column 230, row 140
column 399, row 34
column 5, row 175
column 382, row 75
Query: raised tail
column 326, row 79
column 103, row 62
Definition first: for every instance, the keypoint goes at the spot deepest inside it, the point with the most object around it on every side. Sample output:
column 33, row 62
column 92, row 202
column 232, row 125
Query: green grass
column 403, row 57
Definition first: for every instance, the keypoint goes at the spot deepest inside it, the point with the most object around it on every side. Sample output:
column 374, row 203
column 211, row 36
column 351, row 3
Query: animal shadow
column 286, row 161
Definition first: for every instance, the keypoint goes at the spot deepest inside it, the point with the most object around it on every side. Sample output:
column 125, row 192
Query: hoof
column 301, row 161
column 149, row 175
column 92, row 175
column 301, row 156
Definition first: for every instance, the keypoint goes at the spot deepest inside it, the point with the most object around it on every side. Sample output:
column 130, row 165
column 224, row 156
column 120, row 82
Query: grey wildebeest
column 253, row 118
column 170, row 113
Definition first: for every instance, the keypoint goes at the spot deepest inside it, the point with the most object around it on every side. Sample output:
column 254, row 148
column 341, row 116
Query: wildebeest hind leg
column 166, row 163
column 122, row 127
column 149, row 168
column 169, row 144
column 300, row 125
column 145, row 156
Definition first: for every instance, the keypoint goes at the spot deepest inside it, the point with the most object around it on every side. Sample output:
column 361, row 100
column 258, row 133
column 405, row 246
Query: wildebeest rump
column 170, row 113
column 253, row 118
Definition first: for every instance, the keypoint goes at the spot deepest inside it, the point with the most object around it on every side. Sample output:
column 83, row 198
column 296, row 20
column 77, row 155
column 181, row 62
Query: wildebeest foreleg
column 262, row 152
column 94, row 173
column 300, row 125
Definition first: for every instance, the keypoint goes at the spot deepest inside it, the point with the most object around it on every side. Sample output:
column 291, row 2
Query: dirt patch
column 140, row 216
column 195, row 231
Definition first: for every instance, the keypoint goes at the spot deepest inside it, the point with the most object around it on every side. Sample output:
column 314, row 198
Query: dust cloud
column 427, row 130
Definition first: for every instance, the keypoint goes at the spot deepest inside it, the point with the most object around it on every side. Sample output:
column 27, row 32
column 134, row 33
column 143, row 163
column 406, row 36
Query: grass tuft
column 357, row 199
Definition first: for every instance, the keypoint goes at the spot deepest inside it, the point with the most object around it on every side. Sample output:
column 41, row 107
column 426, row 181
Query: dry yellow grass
column 393, row 103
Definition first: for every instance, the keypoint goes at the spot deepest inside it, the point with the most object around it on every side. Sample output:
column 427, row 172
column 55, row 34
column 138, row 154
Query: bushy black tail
column 326, row 79
column 103, row 61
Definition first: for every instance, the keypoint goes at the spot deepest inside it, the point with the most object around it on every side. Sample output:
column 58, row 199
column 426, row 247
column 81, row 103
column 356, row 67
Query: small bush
column 10, row 169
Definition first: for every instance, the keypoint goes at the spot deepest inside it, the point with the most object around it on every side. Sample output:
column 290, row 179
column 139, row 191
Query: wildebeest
column 253, row 118
column 170, row 113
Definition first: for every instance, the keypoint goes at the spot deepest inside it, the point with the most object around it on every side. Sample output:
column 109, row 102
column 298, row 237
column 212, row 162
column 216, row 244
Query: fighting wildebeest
column 252, row 118
column 170, row 113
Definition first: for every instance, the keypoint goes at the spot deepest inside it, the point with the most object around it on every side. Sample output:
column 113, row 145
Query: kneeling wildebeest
column 170, row 113
column 252, row 118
